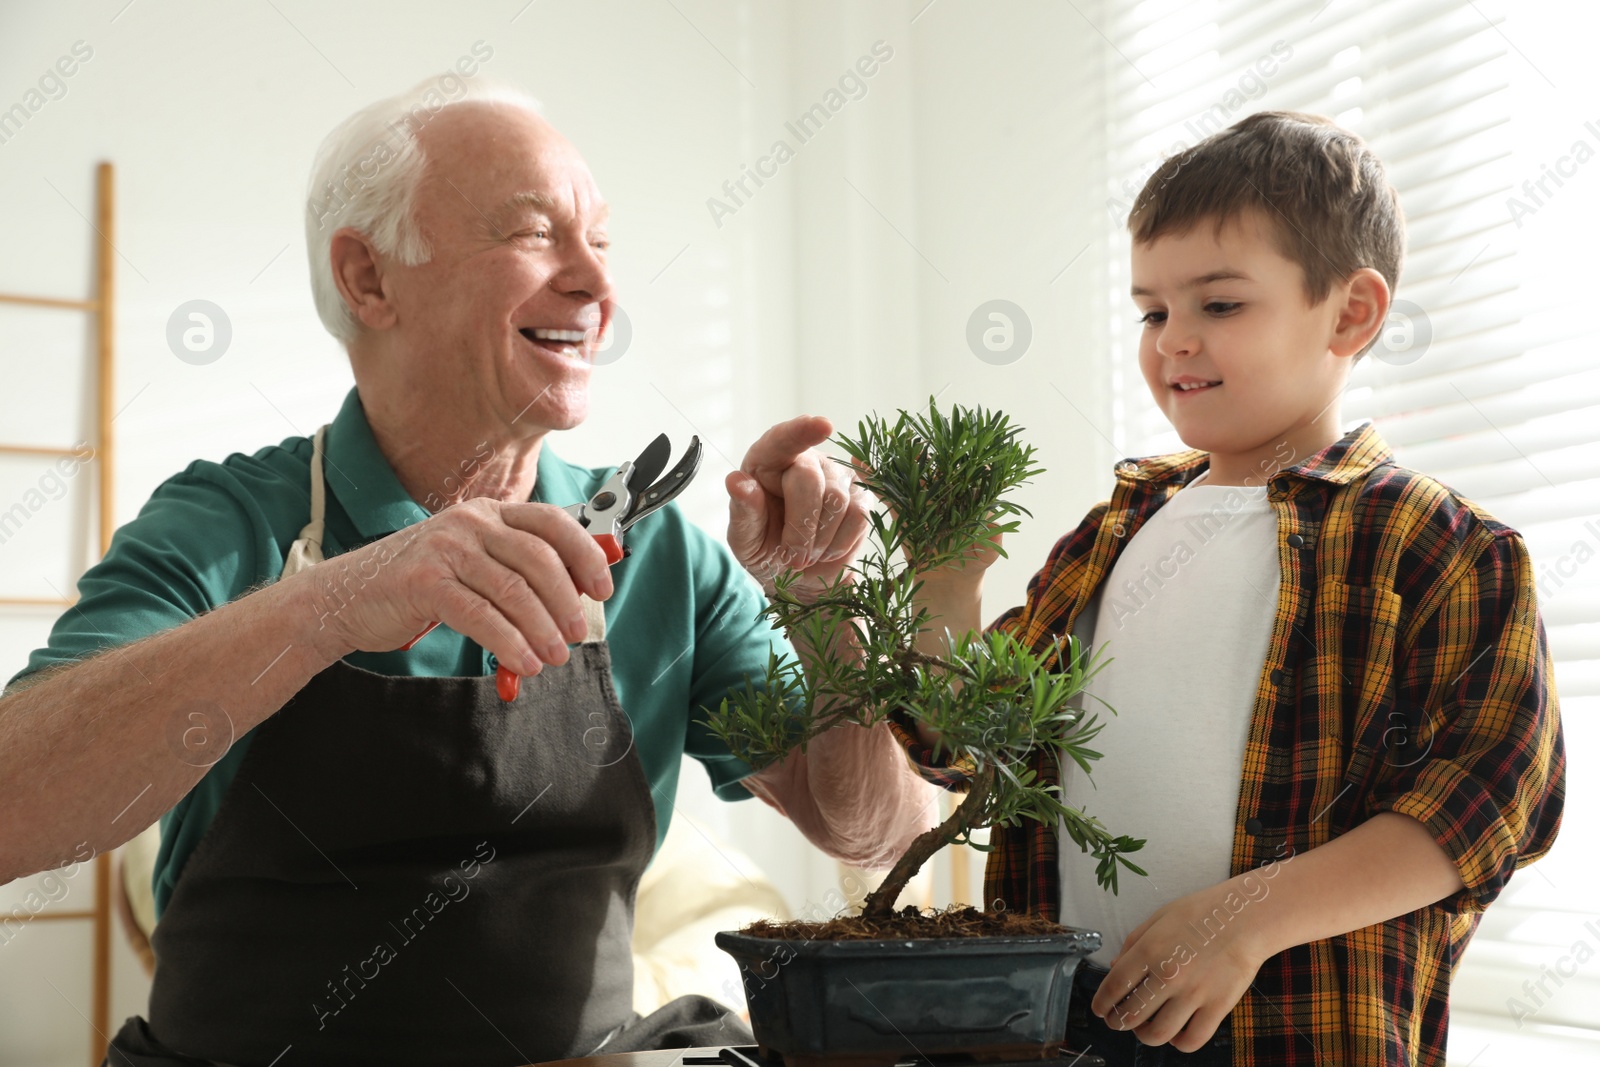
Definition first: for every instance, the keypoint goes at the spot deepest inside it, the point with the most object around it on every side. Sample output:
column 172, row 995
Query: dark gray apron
column 407, row 870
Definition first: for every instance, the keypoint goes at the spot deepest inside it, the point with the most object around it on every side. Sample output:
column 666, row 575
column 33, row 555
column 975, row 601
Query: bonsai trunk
column 880, row 902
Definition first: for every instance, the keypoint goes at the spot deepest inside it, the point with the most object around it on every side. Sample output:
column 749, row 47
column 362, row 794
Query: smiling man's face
column 501, row 324
column 1235, row 356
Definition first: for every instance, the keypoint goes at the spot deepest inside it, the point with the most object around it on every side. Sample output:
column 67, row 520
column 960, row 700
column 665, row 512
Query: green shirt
column 682, row 624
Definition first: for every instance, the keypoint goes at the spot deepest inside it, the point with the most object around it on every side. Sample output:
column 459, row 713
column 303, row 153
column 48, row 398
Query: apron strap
column 307, row 549
column 594, row 613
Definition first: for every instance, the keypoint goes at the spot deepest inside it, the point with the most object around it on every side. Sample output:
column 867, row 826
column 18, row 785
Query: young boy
column 1336, row 723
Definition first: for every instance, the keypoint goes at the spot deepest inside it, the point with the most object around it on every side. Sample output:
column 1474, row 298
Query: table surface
column 665, row 1058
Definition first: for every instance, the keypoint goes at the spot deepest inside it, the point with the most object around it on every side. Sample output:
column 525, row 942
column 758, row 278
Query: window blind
column 1476, row 380
column 1485, row 376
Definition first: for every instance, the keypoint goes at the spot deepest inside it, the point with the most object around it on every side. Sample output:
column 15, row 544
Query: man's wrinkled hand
column 790, row 506
column 1184, row 969
column 508, row 576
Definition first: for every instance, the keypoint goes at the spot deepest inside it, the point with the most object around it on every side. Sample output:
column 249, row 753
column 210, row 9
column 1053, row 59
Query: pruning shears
column 634, row 492
column 629, row 495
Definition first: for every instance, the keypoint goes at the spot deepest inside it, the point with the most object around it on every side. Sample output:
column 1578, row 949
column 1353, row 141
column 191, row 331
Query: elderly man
column 366, row 856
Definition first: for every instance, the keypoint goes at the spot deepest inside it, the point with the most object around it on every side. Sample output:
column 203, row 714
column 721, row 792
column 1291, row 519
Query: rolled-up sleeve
column 1491, row 783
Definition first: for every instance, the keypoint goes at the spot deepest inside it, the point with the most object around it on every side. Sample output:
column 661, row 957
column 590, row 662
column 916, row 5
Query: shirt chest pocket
column 1352, row 666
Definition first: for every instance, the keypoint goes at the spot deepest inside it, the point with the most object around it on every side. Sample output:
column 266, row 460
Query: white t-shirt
column 1186, row 616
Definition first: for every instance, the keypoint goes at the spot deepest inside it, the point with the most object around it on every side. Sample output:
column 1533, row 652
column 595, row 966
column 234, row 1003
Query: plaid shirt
column 1407, row 671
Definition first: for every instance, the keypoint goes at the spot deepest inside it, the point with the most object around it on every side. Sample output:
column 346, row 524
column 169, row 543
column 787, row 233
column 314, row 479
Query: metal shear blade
column 650, row 464
column 621, row 501
column 663, row 492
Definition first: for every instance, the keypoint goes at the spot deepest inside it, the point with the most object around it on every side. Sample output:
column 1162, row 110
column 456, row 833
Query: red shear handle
column 506, row 681
column 610, row 546
column 407, row 646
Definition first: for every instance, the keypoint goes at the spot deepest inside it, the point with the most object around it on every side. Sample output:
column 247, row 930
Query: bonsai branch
column 880, row 902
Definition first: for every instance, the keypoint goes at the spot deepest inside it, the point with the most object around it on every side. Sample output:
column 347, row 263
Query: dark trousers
column 1088, row 1033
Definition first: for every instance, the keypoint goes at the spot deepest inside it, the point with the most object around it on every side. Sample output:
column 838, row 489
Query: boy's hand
column 967, row 570
column 1183, row 969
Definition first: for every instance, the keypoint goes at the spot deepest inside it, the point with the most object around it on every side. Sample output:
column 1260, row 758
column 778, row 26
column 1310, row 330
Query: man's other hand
column 792, row 507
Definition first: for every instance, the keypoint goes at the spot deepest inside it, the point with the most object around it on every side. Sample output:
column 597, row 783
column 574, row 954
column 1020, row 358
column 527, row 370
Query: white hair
column 366, row 175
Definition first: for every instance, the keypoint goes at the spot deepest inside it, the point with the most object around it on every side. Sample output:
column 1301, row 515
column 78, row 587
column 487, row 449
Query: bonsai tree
column 986, row 702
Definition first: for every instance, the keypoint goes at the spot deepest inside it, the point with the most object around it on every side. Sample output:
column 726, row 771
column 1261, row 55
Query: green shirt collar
column 357, row 472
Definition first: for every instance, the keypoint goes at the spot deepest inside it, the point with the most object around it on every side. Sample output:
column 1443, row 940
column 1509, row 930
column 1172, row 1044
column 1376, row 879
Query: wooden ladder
column 100, row 306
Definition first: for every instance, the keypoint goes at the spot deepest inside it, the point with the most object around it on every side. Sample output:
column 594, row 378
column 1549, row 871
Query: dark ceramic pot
column 860, row 1003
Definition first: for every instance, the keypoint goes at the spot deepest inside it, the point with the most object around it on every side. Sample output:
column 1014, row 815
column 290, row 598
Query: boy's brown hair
column 1326, row 193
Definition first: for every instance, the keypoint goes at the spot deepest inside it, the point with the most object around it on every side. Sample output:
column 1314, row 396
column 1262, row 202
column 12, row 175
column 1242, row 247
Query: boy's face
column 1226, row 314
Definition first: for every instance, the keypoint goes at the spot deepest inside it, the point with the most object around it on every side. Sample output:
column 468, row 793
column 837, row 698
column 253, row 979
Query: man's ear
column 359, row 276
column 1362, row 314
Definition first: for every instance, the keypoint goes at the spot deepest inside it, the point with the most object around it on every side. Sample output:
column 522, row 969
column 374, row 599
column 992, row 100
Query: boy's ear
column 1362, row 314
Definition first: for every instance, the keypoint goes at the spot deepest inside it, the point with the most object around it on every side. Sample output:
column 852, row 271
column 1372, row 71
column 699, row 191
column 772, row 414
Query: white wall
column 967, row 171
